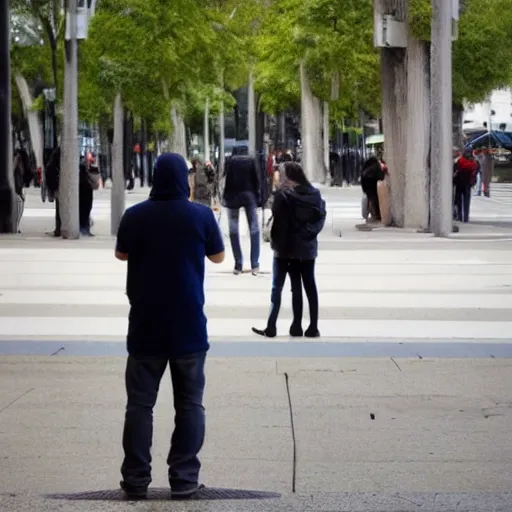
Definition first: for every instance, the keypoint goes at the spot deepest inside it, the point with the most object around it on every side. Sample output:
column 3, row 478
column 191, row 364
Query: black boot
column 312, row 332
column 269, row 332
column 296, row 331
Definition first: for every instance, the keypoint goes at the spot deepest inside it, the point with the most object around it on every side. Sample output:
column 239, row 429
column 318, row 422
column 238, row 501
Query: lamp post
column 78, row 13
column 441, row 128
column 6, row 191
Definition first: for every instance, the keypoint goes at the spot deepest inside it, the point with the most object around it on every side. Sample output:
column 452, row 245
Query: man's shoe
column 312, row 332
column 237, row 272
column 185, row 494
column 296, row 331
column 255, row 271
column 266, row 333
column 132, row 492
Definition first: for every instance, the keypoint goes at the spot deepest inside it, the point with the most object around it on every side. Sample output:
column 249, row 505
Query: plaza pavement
column 403, row 404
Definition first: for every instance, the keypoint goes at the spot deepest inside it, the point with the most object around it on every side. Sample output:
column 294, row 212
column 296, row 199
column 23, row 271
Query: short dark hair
column 294, row 172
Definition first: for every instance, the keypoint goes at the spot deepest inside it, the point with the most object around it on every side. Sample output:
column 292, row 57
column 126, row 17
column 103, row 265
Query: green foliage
column 155, row 53
column 420, row 19
column 483, row 52
column 330, row 37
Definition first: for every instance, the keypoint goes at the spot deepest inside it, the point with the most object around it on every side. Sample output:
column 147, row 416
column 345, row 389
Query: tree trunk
column 222, row 131
column 311, row 121
column 34, row 123
column 251, row 114
column 417, row 170
column 281, row 125
column 394, row 109
column 458, row 126
column 178, row 140
column 326, row 133
column 206, row 130
column 117, row 193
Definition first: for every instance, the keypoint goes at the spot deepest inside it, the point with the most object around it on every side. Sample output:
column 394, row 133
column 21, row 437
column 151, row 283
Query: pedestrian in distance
column 464, row 179
column 242, row 189
column 299, row 216
column 165, row 241
column 21, row 166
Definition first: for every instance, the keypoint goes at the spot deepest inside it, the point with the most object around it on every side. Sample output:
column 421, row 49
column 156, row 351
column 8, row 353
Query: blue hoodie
column 167, row 238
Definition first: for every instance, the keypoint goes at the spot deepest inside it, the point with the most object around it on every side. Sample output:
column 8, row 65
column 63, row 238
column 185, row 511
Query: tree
column 325, row 39
column 482, row 62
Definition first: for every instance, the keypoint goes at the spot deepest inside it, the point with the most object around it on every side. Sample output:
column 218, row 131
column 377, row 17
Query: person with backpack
column 299, row 216
column 203, row 182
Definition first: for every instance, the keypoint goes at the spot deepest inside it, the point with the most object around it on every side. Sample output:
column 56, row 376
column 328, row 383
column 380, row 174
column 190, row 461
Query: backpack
column 203, row 187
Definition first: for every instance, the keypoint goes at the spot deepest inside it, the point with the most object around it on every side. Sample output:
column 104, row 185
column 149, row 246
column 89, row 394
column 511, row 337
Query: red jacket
column 465, row 171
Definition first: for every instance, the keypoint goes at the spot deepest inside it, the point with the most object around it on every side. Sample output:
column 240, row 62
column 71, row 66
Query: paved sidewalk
column 371, row 434
column 490, row 218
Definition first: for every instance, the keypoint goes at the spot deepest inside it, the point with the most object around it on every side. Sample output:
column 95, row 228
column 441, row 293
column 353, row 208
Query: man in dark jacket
column 242, row 189
column 165, row 241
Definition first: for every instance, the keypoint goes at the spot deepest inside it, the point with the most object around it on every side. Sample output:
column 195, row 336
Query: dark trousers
column 85, row 200
column 302, row 273
column 463, row 201
column 57, row 218
column 143, row 376
column 254, row 229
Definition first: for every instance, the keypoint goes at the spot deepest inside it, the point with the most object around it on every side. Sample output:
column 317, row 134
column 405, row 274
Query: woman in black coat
column 299, row 216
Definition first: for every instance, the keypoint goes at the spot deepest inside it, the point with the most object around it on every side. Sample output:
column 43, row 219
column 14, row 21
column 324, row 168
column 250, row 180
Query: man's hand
column 121, row 256
column 214, row 258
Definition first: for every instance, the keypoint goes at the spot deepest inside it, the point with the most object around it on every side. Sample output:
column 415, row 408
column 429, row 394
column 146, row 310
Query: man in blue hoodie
column 165, row 241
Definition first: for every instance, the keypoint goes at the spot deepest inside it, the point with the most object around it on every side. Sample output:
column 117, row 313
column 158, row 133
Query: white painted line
column 229, row 299
column 451, row 283
column 241, row 328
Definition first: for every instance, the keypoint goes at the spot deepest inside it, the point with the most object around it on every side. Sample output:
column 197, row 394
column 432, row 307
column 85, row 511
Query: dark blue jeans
column 302, row 273
column 143, row 376
column 463, row 201
column 254, row 229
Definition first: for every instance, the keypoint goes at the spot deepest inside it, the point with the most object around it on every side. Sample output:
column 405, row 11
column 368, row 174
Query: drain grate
column 163, row 494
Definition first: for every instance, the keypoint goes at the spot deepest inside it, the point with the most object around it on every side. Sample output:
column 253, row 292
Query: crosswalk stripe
column 239, row 328
column 260, row 299
column 435, row 282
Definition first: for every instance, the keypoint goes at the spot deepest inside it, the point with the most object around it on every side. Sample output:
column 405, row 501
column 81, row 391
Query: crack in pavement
column 292, row 425
column 15, row 400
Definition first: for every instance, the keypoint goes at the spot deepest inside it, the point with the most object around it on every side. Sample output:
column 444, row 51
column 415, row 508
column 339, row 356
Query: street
column 403, row 403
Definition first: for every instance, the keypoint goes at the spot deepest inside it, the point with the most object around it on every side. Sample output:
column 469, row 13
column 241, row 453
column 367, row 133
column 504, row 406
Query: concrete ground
column 370, row 434
column 403, row 404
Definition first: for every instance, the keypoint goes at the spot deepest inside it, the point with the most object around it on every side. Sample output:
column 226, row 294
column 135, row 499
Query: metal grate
column 162, row 494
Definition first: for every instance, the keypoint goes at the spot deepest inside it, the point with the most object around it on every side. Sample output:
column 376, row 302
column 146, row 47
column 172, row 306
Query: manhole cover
column 162, row 494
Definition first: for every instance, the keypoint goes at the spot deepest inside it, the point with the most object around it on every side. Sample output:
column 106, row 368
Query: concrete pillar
column 69, row 172
column 117, row 192
column 441, row 133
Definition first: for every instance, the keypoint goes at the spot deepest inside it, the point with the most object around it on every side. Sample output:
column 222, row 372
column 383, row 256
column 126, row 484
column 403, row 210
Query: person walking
column 242, row 189
column 20, row 170
column 52, row 175
column 487, row 169
column 299, row 216
column 86, row 185
column 464, row 180
column 165, row 241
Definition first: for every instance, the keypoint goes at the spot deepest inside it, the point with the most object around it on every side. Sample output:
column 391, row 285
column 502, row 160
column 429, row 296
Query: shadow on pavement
column 163, row 494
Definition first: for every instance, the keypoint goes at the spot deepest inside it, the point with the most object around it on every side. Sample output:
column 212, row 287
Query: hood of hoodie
column 307, row 203
column 170, row 178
